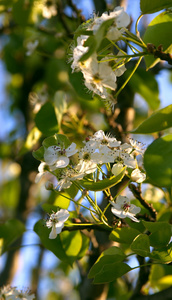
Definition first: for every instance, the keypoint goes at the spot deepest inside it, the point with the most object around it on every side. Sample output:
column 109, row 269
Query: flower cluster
column 11, row 293
column 59, row 163
column 100, row 73
column 63, row 165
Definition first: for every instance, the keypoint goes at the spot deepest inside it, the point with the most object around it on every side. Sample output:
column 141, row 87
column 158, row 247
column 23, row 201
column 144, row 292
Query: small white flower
column 122, row 208
column 105, row 140
column 99, row 76
column 31, row 46
column 45, row 173
column 68, row 176
column 124, row 158
column 56, row 222
column 138, row 176
column 58, row 156
column 137, row 146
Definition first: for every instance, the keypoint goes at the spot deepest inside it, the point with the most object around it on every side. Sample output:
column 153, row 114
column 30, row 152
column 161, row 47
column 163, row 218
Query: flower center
column 126, row 207
column 96, row 78
column 86, row 156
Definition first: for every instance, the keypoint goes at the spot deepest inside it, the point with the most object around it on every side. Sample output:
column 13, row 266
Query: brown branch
column 158, row 53
column 138, row 194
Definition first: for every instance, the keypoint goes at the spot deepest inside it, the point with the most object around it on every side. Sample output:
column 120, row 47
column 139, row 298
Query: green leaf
column 111, row 272
column 46, row 120
column 9, row 232
column 159, row 120
column 149, row 7
column 160, row 233
column 104, row 184
column 141, row 245
column 84, row 247
column 158, row 33
column 22, row 11
column 163, row 255
column 158, row 162
column 57, row 139
column 145, row 84
column 39, row 154
column 72, row 243
column 114, row 254
column 77, row 81
column 124, row 235
column 65, row 246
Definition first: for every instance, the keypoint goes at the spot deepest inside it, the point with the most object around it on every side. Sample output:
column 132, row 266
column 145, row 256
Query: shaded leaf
column 111, row 272
column 46, row 120
column 145, row 84
column 114, row 254
column 160, row 233
column 149, row 7
column 141, row 245
column 158, row 162
column 9, row 232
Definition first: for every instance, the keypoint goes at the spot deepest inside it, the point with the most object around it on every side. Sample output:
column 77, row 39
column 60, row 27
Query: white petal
column 62, row 162
column 53, row 233
column 51, row 155
column 62, row 215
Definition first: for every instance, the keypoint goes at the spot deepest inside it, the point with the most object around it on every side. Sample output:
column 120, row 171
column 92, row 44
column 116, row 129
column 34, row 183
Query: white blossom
column 127, row 159
column 98, row 76
column 58, row 156
column 56, row 222
column 138, row 176
column 121, row 20
column 104, row 140
column 122, row 208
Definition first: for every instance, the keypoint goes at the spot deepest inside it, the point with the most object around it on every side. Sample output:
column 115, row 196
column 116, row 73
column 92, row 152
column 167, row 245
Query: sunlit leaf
column 102, row 184
column 158, row 121
column 158, row 33
column 163, row 255
column 124, row 235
